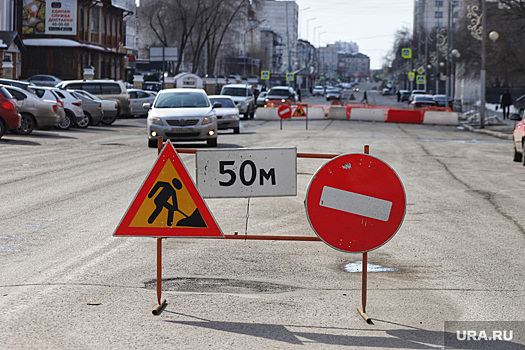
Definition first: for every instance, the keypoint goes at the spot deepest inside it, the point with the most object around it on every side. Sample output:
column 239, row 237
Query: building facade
column 64, row 38
column 11, row 46
column 282, row 18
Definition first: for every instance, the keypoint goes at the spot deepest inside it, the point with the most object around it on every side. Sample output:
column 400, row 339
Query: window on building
column 95, row 19
column 439, row 3
column 438, row 14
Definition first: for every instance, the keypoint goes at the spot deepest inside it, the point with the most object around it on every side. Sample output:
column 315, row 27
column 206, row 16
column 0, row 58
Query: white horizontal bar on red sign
column 355, row 203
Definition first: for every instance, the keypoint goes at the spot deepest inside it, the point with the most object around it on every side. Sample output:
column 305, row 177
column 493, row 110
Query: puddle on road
column 357, row 266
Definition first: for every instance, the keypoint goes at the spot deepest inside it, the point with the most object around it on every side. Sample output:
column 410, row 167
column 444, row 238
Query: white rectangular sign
column 355, row 203
column 247, row 172
column 61, row 17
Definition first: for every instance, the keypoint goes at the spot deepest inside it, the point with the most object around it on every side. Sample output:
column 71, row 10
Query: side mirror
column 515, row 116
column 146, row 106
column 217, row 105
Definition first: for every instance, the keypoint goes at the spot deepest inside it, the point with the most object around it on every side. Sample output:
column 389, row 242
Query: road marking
column 355, row 203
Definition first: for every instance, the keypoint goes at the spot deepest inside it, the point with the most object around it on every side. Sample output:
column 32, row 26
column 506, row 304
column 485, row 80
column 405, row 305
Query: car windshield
column 279, row 93
column 225, row 102
column 181, row 100
column 235, row 91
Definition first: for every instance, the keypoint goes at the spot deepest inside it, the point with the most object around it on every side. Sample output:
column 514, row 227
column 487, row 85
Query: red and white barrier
column 441, row 118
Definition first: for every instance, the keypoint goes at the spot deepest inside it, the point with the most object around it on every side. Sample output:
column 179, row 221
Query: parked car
column 415, row 92
column 318, row 91
column 261, row 99
column 109, row 107
column 243, row 96
column 441, row 101
column 423, row 101
column 10, row 119
column 386, row 91
column 227, row 113
column 181, row 115
column 152, row 86
column 282, row 94
column 103, row 89
column 50, row 95
column 518, row 137
column 72, row 107
column 405, row 95
column 18, row 83
column 36, row 113
column 137, row 99
column 44, row 80
column 92, row 108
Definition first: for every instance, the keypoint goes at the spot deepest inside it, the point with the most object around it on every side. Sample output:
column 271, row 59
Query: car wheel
column 3, row 128
column 152, row 143
column 27, row 124
column 518, row 157
column 67, row 123
column 84, row 122
column 236, row 130
column 212, row 142
column 522, row 157
column 109, row 120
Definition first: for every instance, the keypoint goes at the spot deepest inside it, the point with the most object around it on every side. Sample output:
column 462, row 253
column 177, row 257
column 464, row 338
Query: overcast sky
column 371, row 24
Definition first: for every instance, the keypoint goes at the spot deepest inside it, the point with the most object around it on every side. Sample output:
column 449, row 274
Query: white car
column 318, row 91
column 72, row 106
column 137, row 99
column 227, row 113
column 181, row 115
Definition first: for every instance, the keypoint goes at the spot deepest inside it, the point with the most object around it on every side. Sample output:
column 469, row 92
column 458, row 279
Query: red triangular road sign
column 299, row 112
column 168, row 204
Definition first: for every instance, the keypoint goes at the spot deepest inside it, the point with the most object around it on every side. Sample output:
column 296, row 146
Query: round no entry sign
column 355, row 203
column 284, row 112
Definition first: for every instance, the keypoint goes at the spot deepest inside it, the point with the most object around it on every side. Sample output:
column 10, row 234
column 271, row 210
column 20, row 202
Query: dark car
column 405, row 95
column 441, row 101
column 281, row 94
column 10, row 119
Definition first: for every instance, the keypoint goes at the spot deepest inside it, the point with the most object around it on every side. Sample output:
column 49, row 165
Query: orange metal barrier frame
column 161, row 303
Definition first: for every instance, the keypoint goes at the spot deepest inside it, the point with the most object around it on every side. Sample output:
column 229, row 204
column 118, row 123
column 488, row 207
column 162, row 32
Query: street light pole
column 307, row 23
column 483, row 63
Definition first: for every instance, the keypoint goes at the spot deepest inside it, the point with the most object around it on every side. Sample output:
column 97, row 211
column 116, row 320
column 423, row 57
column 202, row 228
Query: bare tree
column 192, row 26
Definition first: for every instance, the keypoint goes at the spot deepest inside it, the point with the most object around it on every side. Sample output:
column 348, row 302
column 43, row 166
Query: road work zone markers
column 168, row 204
column 356, row 203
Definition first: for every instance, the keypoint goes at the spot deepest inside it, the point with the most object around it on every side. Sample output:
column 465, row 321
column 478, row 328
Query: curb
column 497, row 134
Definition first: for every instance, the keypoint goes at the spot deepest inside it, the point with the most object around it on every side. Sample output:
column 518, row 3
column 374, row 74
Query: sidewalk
column 494, row 124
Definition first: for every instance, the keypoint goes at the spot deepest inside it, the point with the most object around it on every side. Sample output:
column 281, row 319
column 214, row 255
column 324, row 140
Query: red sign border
column 313, row 179
column 212, row 231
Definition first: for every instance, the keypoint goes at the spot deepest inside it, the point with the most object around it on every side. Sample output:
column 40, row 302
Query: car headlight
column 208, row 120
column 155, row 120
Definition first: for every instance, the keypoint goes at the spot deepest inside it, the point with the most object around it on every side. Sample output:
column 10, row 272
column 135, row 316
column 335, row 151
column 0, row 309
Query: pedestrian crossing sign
column 289, row 76
column 168, row 204
column 265, row 74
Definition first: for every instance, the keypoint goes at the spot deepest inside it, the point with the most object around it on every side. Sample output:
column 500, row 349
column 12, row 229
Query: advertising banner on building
column 51, row 17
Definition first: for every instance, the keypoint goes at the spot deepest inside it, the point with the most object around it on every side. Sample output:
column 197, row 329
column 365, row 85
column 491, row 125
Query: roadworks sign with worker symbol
column 168, row 204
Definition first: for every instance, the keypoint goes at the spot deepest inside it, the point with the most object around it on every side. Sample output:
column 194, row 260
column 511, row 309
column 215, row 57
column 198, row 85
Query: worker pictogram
column 299, row 112
column 168, row 204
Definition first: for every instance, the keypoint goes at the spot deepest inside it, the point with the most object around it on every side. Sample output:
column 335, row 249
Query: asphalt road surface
column 67, row 283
